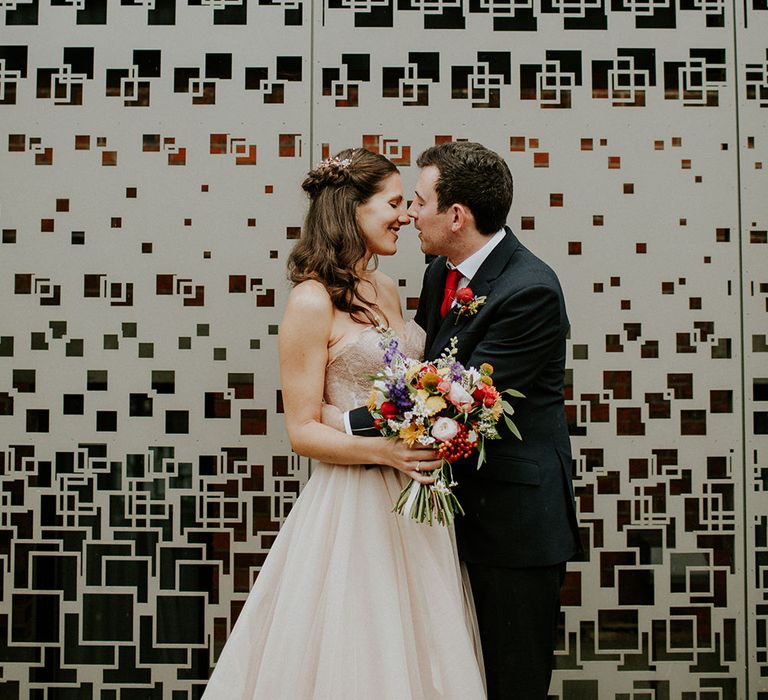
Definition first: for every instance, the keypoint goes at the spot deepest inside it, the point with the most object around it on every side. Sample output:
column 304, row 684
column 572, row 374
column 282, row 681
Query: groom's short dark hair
column 472, row 175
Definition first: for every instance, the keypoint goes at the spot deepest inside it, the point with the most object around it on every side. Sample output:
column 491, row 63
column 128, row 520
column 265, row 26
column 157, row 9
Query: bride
column 352, row 601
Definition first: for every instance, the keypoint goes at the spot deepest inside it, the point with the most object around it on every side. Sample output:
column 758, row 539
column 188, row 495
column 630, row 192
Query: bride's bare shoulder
column 310, row 295
column 309, row 305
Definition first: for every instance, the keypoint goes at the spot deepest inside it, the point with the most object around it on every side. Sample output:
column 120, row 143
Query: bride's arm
column 330, row 415
column 303, row 347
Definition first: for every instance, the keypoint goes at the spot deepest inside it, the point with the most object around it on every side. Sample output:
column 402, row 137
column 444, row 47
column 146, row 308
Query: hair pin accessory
column 335, row 161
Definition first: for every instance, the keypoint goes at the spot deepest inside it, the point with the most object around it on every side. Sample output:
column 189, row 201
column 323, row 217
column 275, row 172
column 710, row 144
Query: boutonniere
column 467, row 303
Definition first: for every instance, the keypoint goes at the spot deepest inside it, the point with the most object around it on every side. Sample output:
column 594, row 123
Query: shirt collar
column 472, row 264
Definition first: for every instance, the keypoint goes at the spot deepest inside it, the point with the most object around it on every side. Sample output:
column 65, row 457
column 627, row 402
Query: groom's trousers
column 517, row 613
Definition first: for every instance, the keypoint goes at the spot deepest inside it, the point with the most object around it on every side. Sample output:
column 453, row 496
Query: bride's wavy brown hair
column 331, row 244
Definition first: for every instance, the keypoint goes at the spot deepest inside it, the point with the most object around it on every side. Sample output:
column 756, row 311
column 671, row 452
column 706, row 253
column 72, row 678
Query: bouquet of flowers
column 441, row 404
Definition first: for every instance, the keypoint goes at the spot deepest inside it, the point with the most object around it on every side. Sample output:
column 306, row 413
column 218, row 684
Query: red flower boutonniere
column 467, row 303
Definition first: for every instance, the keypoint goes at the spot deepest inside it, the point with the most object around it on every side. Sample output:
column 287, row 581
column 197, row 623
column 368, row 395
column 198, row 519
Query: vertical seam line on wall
column 311, row 148
column 311, row 82
column 742, row 349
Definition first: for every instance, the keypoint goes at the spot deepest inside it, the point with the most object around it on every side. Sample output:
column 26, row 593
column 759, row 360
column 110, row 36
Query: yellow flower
column 411, row 372
column 410, row 433
column 435, row 404
column 485, row 379
column 486, row 368
column 429, row 381
column 374, row 399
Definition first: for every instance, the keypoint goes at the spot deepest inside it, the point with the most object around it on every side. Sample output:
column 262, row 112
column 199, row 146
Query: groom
column 520, row 524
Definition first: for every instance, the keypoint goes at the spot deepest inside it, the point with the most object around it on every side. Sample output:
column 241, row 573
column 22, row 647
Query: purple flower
column 398, row 393
column 392, row 350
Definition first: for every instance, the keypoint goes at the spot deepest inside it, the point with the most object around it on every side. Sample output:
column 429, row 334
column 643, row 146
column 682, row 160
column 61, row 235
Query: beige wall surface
column 150, row 160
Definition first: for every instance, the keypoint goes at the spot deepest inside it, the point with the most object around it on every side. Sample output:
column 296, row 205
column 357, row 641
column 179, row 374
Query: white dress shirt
column 468, row 269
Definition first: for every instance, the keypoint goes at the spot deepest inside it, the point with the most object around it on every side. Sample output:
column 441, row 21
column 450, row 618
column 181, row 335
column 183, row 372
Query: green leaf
column 514, row 392
column 480, row 453
column 512, row 427
column 507, row 407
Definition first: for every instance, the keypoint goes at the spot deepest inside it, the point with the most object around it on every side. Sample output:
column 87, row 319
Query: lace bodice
column 347, row 378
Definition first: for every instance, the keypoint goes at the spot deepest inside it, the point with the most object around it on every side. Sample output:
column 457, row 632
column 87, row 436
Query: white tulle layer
column 354, row 602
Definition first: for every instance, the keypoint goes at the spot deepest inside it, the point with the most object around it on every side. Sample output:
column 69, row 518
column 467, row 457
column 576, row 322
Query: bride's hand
column 415, row 462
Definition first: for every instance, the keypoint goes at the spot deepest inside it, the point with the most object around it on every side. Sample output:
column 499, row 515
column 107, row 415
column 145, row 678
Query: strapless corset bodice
column 351, row 363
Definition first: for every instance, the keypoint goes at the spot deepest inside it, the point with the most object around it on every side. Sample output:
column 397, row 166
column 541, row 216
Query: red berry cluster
column 460, row 446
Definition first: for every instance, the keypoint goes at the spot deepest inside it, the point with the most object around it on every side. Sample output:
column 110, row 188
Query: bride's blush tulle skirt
column 354, row 602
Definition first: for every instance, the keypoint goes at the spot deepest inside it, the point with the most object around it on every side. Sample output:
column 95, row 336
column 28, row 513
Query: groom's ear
column 460, row 216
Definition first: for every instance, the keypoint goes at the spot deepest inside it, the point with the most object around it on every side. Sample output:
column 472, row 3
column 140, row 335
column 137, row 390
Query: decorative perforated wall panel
column 150, row 160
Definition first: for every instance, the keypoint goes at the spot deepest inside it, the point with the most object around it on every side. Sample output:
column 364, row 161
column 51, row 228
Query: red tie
column 451, row 284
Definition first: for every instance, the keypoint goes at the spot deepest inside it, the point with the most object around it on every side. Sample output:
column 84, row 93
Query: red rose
column 465, row 295
column 490, row 395
column 478, row 394
column 377, row 423
column 388, row 410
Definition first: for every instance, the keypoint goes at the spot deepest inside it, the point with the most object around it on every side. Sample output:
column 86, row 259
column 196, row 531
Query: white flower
column 444, row 429
column 419, row 411
column 459, row 396
column 472, row 376
column 376, row 398
column 441, row 487
column 380, row 386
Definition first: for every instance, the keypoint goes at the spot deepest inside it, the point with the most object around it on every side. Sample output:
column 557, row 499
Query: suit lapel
column 448, row 327
column 494, row 264
column 480, row 284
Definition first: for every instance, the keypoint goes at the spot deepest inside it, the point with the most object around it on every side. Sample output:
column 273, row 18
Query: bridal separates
column 354, row 602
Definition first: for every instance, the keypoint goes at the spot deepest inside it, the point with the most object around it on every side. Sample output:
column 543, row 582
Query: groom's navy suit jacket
column 519, row 505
